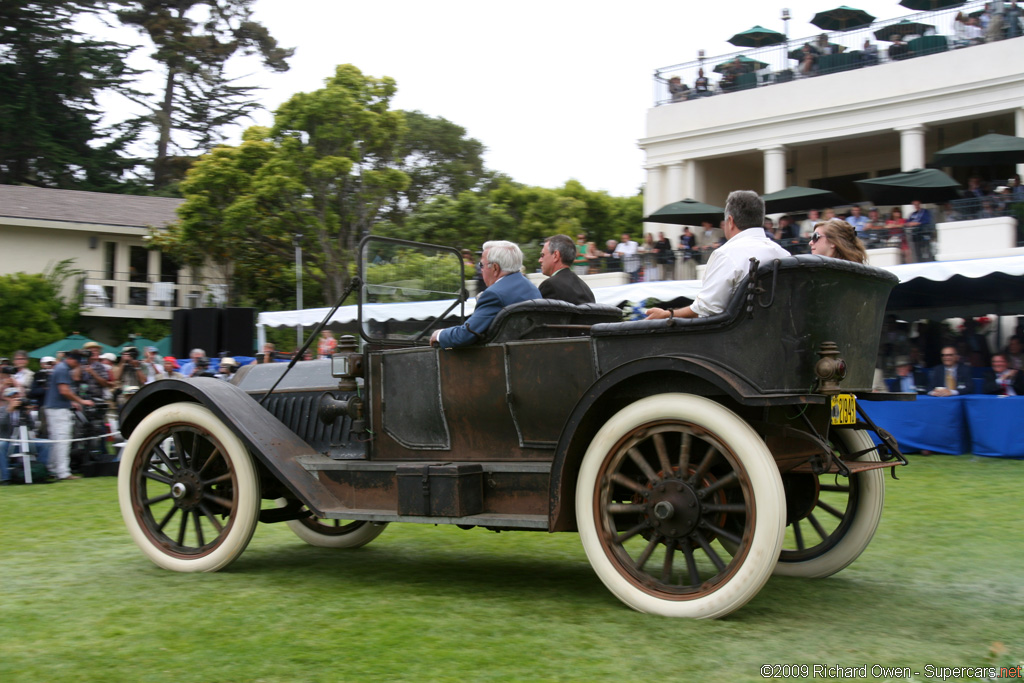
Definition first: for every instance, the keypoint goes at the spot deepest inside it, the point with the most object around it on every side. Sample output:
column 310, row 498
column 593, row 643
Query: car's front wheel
column 188, row 489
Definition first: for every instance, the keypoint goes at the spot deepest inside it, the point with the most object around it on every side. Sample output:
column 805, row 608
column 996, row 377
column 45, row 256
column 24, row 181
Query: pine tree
column 194, row 40
column 50, row 76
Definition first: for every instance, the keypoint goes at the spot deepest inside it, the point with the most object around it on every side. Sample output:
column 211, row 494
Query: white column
column 774, row 168
column 695, row 185
column 911, row 147
column 652, row 191
column 1018, row 120
column 674, row 183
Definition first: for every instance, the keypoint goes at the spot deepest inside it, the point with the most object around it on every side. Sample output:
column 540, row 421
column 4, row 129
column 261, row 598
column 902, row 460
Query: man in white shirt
column 626, row 250
column 730, row 263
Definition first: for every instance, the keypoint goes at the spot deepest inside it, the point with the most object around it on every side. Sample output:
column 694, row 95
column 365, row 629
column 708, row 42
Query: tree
column 439, row 160
column 50, row 75
column 321, row 176
column 194, row 40
column 523, row 214
column 33, row 310
column 219, row 221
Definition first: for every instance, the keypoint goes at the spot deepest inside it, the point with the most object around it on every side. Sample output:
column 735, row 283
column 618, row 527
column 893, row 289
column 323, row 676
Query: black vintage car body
column 694, row 457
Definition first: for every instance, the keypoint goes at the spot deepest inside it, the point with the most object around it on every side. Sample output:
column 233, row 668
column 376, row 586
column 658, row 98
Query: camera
column 8, row 370
column 202, row 363
column 132, row 352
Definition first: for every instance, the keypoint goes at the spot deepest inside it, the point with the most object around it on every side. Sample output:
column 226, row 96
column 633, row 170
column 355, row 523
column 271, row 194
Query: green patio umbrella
column 929, row 5
column 988, row 150
column 797, row 198
column 746, row 65
column 687, row 212
column 757, row 37
column 925, row 184
column 842, row 18
column 72, row 341
column 903, row 28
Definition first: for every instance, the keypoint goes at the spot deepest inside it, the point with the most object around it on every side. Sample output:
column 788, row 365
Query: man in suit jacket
column 952, row 378
column 556, row 256
column 500, row 264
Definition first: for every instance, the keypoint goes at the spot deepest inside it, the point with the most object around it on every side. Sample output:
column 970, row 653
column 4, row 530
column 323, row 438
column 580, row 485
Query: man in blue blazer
column 500, row 263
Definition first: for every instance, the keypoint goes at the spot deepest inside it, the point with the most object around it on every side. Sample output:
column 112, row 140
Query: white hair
column 506, row 254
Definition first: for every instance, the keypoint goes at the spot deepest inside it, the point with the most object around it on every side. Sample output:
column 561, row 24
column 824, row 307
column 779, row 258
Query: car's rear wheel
column 663, row 483
column 188, row 489
column 831, row 519
column 334, row 533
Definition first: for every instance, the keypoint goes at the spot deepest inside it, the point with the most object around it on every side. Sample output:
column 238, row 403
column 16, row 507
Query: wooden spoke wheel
column 334, row 533
column 680, row 507
column 831, row 519
column 188, row 489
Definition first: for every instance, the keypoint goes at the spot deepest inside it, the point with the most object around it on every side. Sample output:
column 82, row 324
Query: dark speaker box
column 204, row 331
column 238, row 327
column 179, row 333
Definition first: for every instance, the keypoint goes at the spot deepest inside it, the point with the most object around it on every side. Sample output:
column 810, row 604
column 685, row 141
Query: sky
column 555, row 89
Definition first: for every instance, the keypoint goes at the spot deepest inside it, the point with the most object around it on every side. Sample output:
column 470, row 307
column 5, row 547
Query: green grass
column 941, row 584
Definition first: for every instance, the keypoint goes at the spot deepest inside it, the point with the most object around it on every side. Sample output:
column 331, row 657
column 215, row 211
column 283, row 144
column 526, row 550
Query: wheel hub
column 187, row 490
column 674, row 508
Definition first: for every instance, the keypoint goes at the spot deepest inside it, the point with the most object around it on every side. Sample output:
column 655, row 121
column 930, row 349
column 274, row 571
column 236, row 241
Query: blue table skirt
column 996, row 424
column 991, row 426
column 928, row 424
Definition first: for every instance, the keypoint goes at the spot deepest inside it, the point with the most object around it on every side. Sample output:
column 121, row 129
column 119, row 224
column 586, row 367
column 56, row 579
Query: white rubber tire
column 356, row 538
column 761, row 480
column 866, row 516
column 238, row 528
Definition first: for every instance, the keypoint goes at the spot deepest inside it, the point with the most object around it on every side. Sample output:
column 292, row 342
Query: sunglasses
column 815, row 237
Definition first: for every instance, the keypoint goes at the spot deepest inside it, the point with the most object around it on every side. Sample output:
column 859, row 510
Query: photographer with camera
column 129, row 375
column 201, row 368
column 96, row 374
column 58, row 404
column 154, row 364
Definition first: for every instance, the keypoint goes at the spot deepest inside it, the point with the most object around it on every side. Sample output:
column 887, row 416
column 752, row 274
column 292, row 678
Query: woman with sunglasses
column 838, row 239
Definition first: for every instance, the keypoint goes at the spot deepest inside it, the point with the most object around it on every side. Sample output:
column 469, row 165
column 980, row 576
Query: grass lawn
column 942, row 584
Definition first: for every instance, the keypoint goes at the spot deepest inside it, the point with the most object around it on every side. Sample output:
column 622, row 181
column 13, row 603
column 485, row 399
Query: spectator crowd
column 66, row 412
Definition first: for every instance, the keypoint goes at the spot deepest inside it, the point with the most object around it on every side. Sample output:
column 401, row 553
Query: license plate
column 844, row 409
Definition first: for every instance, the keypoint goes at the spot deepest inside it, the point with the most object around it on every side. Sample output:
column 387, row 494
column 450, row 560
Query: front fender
column 267, row 438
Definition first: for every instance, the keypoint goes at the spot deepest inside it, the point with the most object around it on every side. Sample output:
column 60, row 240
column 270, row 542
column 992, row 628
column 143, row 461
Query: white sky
column 555, row 90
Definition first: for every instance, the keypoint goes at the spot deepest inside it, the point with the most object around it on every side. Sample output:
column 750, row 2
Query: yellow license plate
column 844, row 409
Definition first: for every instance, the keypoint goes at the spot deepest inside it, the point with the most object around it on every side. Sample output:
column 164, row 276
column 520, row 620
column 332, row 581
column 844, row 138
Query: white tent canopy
column 928, row 290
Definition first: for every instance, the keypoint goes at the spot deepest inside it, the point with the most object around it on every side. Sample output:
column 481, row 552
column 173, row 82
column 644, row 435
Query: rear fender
column 612, row 392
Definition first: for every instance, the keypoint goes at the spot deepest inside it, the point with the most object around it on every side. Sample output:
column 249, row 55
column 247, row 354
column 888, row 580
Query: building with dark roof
column 105, row 236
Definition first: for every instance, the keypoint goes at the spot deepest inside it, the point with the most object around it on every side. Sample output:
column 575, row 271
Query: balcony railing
column 135, row 292
column 846, row 48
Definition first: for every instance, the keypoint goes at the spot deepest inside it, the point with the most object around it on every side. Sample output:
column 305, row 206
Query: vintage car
column 694, row 457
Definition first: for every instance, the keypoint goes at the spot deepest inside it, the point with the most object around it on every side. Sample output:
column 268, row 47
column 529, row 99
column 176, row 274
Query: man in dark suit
column 499, row 264
column 952, row 378
column 556, row 256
